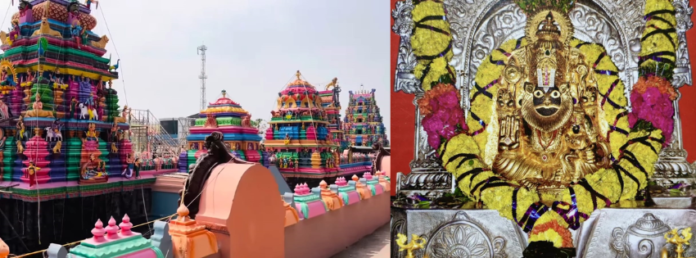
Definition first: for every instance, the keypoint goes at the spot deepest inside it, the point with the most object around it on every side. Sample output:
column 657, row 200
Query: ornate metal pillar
column 672, row 164
column 427, row 177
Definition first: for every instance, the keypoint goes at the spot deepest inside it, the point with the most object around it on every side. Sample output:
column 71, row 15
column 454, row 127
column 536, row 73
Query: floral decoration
column 635, row 138
column 652, row 103
column 431, row 43
column 443, row 117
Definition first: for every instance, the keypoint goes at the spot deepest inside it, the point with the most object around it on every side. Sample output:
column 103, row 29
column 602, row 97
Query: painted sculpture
column 330, row 101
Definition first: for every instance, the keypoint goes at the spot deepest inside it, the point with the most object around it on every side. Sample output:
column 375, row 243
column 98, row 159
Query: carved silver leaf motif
column 683, row 14
column 642, row 239
column 406, row 60
column 463, row 238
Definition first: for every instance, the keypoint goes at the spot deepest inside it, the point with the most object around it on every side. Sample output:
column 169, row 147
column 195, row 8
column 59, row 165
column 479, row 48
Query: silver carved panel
column 460, row 233
column 480, row 26
column 639, row 232
column 636, row 233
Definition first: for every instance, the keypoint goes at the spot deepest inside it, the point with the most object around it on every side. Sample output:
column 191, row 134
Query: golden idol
column 548, row 111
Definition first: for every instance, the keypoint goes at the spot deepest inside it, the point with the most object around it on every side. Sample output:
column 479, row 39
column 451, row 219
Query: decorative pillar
column 332, row 200
column 112, row 243
column 383, row 181
column 672, row 166
column 161, row 238
column 363, row 190
column 307, row 203
column 291, row 216
column 190, row 239
column 316, row 159
column 346, row 191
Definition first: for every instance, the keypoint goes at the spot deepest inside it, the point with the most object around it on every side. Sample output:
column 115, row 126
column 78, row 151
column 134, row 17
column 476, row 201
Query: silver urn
column 645, row 238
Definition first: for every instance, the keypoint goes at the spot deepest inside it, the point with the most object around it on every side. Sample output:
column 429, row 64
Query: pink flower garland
column 443, row 117
column 652, row 99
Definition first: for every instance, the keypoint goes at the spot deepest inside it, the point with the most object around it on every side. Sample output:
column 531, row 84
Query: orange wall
column 403, row 118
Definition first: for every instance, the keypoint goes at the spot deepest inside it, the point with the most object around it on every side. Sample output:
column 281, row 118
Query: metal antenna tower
column 201, row 51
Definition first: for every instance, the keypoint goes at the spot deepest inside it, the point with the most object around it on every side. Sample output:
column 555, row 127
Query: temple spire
column 298, row 74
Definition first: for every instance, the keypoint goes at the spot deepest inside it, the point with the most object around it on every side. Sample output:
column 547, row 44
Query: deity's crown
column 548, row 31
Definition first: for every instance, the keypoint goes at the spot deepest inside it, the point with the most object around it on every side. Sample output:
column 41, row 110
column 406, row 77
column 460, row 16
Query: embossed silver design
column 463, row 238
column 427, row 177
column 672, row 166
column 397, row 226
column 478, row 27
column 598, row 236
column 645, row 238
column 406, row 60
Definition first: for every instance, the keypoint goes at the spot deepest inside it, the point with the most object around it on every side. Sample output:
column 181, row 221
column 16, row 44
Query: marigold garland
column 431, row 43
column 468, row 156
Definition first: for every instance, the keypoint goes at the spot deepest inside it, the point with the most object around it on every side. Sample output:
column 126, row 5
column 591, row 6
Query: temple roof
column 362, row 93
column 299, row 85
column 224, row 105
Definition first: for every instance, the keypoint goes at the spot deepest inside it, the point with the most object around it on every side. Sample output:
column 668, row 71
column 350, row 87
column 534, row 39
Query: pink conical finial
column 297, row 189
column 305, row 188
column 98, row 231
column 126, row 225
column 367, row 176
column 112, row 229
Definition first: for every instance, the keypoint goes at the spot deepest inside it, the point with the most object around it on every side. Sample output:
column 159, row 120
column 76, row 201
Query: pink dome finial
column 355, row 178
column 98, row 231
column 322, row 184
column 112, row 229
column 126, row 225
column 297, row 188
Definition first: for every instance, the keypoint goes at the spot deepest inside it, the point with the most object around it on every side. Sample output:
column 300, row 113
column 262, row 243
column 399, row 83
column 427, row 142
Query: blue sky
column 254, row 49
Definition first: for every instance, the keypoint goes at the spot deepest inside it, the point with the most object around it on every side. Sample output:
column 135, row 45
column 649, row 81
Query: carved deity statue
column 547, row 109
column 37, row 108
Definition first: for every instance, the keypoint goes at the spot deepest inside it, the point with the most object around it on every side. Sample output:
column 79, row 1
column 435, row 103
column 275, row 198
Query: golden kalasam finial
column 678, row 239
column 224, row 93
column 416, row 243
column 298, row 74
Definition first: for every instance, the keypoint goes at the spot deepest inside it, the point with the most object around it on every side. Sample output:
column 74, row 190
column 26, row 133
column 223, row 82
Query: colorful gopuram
column 299, row 136
column 61, row 130
column 228, row 117
column 332, row 106
column 363, row 123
